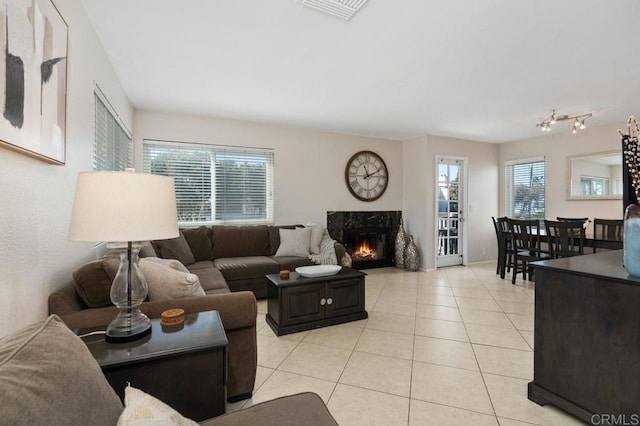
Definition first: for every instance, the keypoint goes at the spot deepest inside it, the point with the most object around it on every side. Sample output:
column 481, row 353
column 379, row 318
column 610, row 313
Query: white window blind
column 112, row 148
column 524, row 189
column 215, row 184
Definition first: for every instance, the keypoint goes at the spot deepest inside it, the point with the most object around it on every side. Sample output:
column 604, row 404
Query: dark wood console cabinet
column 587, row 336
column 300, row 303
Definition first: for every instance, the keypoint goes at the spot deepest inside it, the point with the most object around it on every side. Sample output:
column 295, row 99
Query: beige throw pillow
column 166, row 283
column 316, row 237
column 294, row 242
column 140, row 409
column 171, row 263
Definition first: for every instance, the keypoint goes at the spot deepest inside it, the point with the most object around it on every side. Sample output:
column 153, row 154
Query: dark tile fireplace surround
column 369, row 237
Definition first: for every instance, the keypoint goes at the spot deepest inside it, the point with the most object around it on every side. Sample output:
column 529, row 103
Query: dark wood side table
column 301, row 303
column 185, row 367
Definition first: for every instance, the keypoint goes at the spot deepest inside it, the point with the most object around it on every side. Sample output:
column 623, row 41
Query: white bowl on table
column 318, row 270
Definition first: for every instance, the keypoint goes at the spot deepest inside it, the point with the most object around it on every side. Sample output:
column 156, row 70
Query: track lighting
column 578, row 121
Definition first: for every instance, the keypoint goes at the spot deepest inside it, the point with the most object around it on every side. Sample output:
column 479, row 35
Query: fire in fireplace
column 367, row 249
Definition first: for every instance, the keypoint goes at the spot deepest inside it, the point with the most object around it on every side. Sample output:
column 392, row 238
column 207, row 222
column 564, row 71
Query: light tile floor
column 447, row 347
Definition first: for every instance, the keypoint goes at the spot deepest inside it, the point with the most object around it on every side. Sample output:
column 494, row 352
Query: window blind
column 524, row 189
column 215, row 184
column 112, row 148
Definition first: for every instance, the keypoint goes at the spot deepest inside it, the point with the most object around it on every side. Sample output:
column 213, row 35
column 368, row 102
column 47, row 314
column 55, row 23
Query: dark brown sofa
column 243, row 254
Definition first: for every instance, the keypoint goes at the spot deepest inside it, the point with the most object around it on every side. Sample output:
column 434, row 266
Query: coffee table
column 301, row 303
column 185, row 367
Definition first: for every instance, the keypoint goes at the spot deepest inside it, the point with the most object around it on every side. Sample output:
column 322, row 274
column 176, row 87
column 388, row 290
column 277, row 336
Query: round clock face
column 366, row 175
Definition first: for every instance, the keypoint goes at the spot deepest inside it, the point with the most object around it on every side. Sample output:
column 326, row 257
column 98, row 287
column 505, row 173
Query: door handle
column 329, row 301
column 323, row 301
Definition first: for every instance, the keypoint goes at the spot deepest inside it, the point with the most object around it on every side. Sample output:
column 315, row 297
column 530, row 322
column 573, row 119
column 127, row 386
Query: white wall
column 36, row 197
column 482, row 198
column 555, row 147
column 309, row 165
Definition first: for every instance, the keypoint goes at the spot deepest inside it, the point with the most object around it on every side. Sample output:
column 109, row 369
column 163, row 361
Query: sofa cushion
column 241, row 268
column 143, row 409
column 199, row 243
column 290, row 263
column 210, row 277
column 294, row 242
column 236, row 241
column 93, row 282
column 176, row 248
column 48, row 377
column 166, row 283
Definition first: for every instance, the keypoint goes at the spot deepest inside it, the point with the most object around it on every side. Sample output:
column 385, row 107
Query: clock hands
column 371, row 174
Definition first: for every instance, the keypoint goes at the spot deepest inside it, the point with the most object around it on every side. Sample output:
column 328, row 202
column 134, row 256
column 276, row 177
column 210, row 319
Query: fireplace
column 368, row 237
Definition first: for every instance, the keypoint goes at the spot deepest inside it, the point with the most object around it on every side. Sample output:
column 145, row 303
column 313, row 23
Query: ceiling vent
column 344, row 9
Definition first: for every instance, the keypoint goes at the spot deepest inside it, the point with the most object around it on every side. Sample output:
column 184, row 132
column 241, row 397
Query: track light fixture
column 578, row 121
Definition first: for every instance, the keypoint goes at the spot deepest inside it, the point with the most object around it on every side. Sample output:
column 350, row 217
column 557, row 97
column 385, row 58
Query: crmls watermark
column 615, row 419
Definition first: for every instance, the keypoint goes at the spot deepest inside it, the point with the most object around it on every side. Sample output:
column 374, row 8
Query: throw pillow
column 140, row 408
column 93, row 282
column 327, row 254
column 274, row 237
column 176, row 248
column 166, row 283
column 294, row 242
column 199, row 242
column 49, row 377
column 316, row 237
column 171, row 263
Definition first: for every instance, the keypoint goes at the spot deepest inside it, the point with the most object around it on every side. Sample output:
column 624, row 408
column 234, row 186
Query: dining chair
column 566, row 238
column 525, row 240
column 584, row 220
column 607, row 229
column 505, row 250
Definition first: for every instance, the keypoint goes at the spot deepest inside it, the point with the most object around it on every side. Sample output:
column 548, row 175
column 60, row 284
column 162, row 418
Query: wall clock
column 366, row 175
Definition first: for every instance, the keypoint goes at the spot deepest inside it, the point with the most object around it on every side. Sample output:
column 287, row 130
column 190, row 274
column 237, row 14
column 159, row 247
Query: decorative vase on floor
column 401, row 243
column 411, row 256
column 631, row 240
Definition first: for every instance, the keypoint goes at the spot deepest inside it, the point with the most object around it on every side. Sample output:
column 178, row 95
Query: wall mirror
column 595, row 176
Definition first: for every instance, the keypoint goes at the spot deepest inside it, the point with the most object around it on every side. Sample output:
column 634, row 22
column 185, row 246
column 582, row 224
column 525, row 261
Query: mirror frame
column 588, row 197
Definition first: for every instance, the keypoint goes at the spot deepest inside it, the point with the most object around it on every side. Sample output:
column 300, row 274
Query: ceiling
column 482, row 70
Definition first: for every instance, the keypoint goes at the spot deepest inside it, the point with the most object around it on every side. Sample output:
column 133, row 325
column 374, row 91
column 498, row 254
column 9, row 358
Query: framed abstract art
column 33, row 79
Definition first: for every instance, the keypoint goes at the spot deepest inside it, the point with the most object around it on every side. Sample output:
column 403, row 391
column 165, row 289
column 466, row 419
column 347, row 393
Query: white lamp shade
column 123, row 206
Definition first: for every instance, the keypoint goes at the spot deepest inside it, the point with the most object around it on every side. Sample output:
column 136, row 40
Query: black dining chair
column 505, row 250
column 525, row 240
column 565, row 238
column 607, row 229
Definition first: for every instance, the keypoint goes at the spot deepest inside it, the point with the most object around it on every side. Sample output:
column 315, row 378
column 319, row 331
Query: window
column 215, row 184
column 112, row 148
column 524, row 189
column 590, row 185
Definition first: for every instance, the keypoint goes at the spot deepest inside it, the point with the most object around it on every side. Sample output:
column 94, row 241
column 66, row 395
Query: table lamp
column 125, row 209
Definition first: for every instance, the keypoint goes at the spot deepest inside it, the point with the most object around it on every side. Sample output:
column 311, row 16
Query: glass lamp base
column 127, row 327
